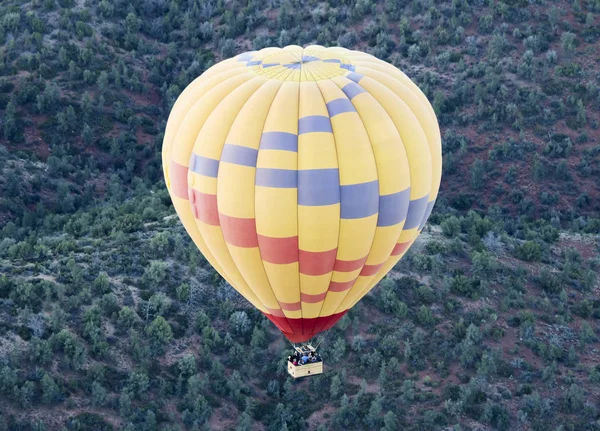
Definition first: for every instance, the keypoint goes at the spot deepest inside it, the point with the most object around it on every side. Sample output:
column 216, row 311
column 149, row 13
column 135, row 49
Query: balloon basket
column 307, row 369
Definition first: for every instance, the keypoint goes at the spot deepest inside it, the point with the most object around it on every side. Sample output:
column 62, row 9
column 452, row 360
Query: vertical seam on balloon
column 411, row 89
column 312, row 75
column 168, row 149
column 408, row 82
column 297, row 193
column 340, row 216
column 310, row 333
column 259, row 253
column 421, row 98
column 370, row 286
column 340, row 194
column 378, row 199
column 426, row 105
column 241, row 69
column 195, row 225
column 218, row 213
column 217, row 193
column 276, row 76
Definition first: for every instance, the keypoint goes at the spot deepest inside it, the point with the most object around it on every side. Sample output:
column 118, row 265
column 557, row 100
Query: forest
column 111, row 319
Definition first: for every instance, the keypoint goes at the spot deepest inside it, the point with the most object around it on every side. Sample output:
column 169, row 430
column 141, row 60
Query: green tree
column 574, row 399
column 138, row 385
column 451, row 226
column 425, row 316
column 102, row 81
column 240, row 322
column 183, row 292
column 87, row 106
column 245, row 423
column 538, row 170
column 187, row 365
column 568, row 41
column 339, row 350
column 159, row 332
column 150, row 423
column 128, row 317
column 105, row 8
column 99, row 394
column 477, row 174
column 87, row 135
column 335, row 389
column 125, row 403
column 390, row 422
column 51, row 393
column 8, row 380
column 373, row 419
column 132, row 23
column 24, row 394
column 529, row 251
column 10, row 121
column 259, row 339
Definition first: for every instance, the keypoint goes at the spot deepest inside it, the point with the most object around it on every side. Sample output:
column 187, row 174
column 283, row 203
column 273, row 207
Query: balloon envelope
column 303, row 175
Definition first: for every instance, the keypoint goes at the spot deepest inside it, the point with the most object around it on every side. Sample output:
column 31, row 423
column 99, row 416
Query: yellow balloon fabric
column 303, row 175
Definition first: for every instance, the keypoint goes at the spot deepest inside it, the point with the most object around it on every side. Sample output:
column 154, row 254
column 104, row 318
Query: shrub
column 529, row 251
column 549, row 282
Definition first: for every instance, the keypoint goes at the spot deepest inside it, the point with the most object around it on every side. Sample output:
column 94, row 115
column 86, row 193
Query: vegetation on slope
column 111, row 319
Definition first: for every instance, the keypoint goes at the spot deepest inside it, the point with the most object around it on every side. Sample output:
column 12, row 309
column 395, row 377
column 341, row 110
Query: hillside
column 111, row 319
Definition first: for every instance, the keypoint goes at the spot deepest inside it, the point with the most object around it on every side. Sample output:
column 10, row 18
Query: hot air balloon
column 303, row 175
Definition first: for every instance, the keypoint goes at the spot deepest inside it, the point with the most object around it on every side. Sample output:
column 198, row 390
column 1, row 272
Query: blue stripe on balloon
column 204, row 166
column 393, row 208
column 239, row 155
column 416, row 211
column 359, row 200
column 279, row 141
column 339, row 106
column 280, row 178
column 430, row 206
column 352, row 90
column 356, row 77
column 317, row 187
column 314, row 123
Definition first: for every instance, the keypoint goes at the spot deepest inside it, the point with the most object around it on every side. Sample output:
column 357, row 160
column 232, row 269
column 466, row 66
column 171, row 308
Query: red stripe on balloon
column 313, row 299
column 349, row 265
column 290, row 306
column 317, row 262
column 237, row 231
column 369, row 270
column 178, row 175
column 400, row 248
column 275, row 312
column 340, row 286
column 278, row 250
column 204, row 207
